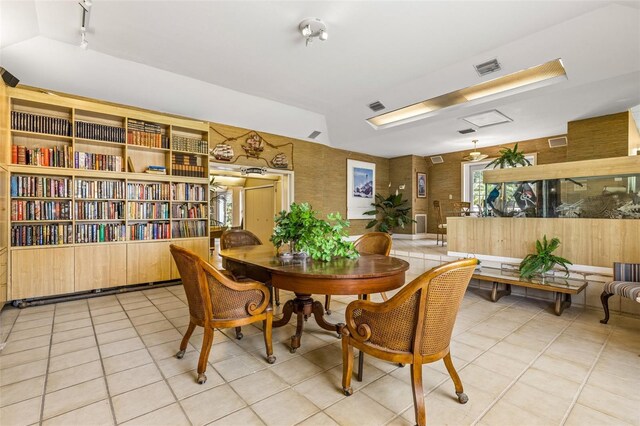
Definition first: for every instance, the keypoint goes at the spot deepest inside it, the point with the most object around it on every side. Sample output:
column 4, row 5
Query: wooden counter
column 593, row 242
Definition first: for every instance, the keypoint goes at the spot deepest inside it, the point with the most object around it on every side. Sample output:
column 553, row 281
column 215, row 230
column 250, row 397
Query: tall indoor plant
column 509, row 157
column 391, row 212
column 306, row 233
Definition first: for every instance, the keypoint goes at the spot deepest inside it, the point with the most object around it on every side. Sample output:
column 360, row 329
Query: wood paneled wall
column 634, row 136
column 598, row 137
column 320, row 172
column 446, row 179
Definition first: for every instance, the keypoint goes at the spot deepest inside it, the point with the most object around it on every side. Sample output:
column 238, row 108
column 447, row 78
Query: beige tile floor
column 110, row 360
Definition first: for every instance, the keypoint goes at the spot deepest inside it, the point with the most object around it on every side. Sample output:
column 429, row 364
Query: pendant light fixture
column 475, row 155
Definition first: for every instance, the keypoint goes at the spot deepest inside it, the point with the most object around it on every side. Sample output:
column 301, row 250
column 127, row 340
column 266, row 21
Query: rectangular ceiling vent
column 437, row 159
column 466, row 131
column 487, row 67
column 558, row 142
column 314, row 134
column 376, row 106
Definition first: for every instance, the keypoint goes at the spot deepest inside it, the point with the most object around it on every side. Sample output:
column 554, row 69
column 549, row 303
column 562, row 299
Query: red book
column 14, row 154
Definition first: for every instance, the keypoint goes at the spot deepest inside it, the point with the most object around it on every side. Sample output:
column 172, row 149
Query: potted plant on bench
column 543, row 260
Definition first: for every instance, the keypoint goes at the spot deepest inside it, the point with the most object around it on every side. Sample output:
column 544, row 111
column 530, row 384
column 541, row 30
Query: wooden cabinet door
column 41, row 272
column 199, row 246
column 259, row 212
column 100, row 266
column 148, row 262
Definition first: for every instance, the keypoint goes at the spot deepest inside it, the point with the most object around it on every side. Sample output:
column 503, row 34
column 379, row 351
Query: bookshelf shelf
column 98, row 243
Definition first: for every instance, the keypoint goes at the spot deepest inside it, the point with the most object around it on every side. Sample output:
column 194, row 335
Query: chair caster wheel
column 239, row 336
column 347, row 391
column 339, row 336
column 180, row 354
column 462, row 397
column 292, row 350
column 202, row 378
column 328, row 312
column 271, row 359
column 401, row 365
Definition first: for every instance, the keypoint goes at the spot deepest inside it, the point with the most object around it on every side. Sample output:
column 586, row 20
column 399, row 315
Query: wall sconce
column 311, row 28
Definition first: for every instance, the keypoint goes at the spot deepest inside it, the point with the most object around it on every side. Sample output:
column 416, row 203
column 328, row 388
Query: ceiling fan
column 475, row 155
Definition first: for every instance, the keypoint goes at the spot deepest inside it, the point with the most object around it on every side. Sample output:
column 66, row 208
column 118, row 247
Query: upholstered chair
column 626, row 283
column 412, row 327
column 216, row 301
column 371, row 243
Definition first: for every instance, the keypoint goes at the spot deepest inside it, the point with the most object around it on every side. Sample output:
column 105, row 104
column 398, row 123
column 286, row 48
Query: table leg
column 497, row 294
column 361, row 354
column 318, row 313
column 287, row 310
column 563, row 301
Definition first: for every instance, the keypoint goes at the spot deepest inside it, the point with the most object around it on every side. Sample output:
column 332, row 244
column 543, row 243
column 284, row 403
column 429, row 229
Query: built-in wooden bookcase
column 94, row 193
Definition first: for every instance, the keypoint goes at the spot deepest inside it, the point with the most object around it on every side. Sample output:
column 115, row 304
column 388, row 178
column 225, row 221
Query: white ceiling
column 395, row 52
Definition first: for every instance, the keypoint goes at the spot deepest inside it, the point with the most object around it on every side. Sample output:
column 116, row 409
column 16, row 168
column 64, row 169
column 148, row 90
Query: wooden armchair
column 626, row 283
column 216, row 301
column 371, row 243
column 441, row 230
column 240, row 238
column 413, row 327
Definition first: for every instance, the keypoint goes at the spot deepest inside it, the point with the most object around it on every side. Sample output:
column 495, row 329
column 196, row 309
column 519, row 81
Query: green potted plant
column 543, row 260
column 391, row 212
column 509, row 158
column 308, row 235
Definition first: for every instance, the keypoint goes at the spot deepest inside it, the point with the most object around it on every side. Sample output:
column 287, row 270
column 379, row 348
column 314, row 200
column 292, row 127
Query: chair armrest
column 227, row 280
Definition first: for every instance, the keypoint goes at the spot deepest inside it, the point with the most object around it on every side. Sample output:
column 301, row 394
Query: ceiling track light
column 311, row 28
column 85, row 5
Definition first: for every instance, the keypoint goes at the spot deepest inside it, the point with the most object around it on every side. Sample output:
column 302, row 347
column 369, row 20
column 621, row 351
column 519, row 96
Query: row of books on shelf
column 99, row 210
column 188, row 171
column 29, row 122
column 101, row 132
column 148, row 210
column 148, row 191
column 146, row 134
column 41, row 235
column 58, row 156
column 106, row 189
column 90, row 161
column 184, row 211
column 100, row 232
column 182, row 143
column 40, row 210
column 189, row 229
column 149, row 231
column 40, row 186
column 189, row 192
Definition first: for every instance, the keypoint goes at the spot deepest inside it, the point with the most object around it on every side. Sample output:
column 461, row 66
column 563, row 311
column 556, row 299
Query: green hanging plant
column 543, row 260
column 509, row 158
column 304, row 232
column 391, row 212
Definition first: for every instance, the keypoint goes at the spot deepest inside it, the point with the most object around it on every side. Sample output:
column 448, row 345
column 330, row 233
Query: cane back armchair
column 216, row 301
column 241, row 238
column 413, row 327
column 371, row 243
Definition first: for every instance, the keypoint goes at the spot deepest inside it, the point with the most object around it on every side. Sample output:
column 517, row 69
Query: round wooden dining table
column 365, row 275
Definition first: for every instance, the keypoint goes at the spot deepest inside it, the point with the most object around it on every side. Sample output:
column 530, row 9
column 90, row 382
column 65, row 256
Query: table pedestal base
column 303, row 306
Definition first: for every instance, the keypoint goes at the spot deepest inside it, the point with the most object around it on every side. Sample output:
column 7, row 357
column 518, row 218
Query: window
column 473, row 185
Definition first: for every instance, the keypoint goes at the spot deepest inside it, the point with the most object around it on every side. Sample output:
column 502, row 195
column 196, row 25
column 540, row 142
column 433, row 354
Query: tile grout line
column 46, row 373
column 586, row 379
column 515, row 380
column 104, row 372
column 153, row 360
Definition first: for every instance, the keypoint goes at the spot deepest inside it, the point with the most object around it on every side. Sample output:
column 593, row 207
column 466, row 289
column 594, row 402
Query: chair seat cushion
column 442, row 225
column 628, row 289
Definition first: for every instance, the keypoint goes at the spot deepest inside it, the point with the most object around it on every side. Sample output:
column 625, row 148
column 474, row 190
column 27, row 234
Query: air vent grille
column 487, row 67
column 421, row 223
column 376, row 106
column 437, row 159
column 558, row 142
column 314, row 134
column 465, row 131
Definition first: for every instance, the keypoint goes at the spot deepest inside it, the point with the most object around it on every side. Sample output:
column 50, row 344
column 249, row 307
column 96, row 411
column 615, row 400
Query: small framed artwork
column 421, row 186
column 361, row 185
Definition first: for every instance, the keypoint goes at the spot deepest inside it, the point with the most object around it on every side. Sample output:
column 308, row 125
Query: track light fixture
column 85, row 5
column 311, row 28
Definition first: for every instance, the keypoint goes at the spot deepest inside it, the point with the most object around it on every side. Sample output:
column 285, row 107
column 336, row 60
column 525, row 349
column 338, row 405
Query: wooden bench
column 562, row 288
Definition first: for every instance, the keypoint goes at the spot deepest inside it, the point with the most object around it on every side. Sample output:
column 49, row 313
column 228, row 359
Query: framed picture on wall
column 361, row 186
column 421, row 185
